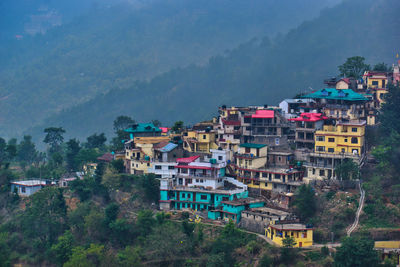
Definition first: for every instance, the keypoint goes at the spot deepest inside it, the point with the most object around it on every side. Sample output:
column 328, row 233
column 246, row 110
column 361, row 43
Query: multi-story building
column 200, row 141
column 263, row 170
column 291, row 108
column 306, row 125
column 340, row 104
column 333, row 144
column 164, row 161
column 139, row 153
column 200, row 184
column 266, row 126
column 377, row 84
column 230, row 128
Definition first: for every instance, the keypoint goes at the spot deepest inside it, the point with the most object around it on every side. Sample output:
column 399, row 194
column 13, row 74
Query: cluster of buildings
column 246, row 164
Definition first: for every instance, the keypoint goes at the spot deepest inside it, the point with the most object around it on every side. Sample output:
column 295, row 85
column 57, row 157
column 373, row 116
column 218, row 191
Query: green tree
column 305, row 202
column 26, row 151
column 54, row 138
column 145, row 222
column 289, row 242
column 130, row 257
column 94, row 256
column 347, row 170
column 96, row 141
column 353, row 67
column 45, row 216
column 188, row 228
column 156, row 123
column 122, row 122
column 62, row 250
column 381, row 67
column 389, row 115
column 7, row 152
column 151, row 187
column 73, row 148
column 356, row 252
column 118, row 165
column 178, row 127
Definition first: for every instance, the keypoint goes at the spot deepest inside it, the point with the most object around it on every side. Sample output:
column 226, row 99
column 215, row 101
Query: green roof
column 248, row 145
column 333, row 93
column 143, row 128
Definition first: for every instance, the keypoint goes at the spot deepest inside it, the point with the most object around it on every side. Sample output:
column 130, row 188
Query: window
column 158, row 175
column 345, row 140
column 157, row 167
column 264, row 175
column 201, row 181
column 354, row 130
column 374, row 82
column 321, row 172
column 275, row 186
column 331, row 150
column 320, row 138
column 197, row 180
column 320, row 148
column 219, row 157
column 343, row 150
column 148, row 164
column 203, row 197
column 171, row 167
column 279, row 159
column 313, row 171
column 183, row 195
column 247, row 150
column 331, row 140
column 204, row 136
column 277, row 176
column 354, row 140
column 23, row 189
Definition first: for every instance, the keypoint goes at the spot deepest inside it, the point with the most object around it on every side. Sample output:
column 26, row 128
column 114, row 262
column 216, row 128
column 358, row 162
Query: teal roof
column 333, row 93
column 143, row 128
column 248, row 145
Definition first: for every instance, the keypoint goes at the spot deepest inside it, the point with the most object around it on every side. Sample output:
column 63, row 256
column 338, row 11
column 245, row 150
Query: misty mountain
column 109, row 47
column 257, row 72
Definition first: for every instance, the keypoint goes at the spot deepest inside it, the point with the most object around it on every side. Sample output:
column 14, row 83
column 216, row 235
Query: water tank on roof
column 146, row 158
column 213, row 161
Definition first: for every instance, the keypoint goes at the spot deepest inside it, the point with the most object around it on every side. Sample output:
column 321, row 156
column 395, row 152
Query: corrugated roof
column 143, row 128
column 333, row 93
column 169, row 147
column 263, row 114
column 308, row 116
column 248, row 145
column 188, row 159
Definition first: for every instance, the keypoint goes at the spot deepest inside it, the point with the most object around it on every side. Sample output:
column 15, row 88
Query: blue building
column 28, row 187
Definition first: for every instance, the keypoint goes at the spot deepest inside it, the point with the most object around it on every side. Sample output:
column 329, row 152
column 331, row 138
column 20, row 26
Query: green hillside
column 112, row 47
column 257, row 72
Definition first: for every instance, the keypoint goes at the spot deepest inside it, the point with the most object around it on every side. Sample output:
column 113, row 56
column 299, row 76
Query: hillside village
column 248, row 164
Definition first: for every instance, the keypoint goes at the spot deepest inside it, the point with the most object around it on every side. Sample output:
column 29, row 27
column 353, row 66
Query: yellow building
column 377, row 82
column 139, row 153
column 199, row 141
column 389, row 250
column 302, row 234
column 342, row 138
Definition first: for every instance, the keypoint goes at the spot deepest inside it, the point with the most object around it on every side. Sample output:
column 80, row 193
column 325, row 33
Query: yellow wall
column 205, row 141
column 338, row 139
column 304, row 237
column 380, row 82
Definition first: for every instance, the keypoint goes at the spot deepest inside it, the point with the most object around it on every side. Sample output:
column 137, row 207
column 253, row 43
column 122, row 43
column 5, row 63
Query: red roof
column 107, row 157
column 346, row 80
column 188, row 159
column 193, row 167
column 228, row 122
column 164, row 129
column 263, row 114
column 308, row 116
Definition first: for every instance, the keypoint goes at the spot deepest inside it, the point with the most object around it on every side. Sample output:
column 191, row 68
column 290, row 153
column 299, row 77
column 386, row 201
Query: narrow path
column 360, row 207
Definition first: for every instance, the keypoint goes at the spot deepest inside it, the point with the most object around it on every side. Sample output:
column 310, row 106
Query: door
column 300, row 244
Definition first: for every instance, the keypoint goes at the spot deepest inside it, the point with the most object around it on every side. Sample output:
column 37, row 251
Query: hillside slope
column 111, row 47
column 258, row 72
